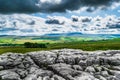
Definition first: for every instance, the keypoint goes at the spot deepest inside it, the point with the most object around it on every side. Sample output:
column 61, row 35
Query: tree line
column 35, row 45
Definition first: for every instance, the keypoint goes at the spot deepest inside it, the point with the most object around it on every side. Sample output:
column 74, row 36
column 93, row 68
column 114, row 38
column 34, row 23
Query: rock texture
column 63, row 64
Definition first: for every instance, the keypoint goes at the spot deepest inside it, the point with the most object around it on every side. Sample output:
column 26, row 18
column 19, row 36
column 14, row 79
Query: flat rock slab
column 62, row 64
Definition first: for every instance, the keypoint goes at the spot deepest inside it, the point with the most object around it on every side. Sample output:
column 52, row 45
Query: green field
column 37, row 39
column 112, row 44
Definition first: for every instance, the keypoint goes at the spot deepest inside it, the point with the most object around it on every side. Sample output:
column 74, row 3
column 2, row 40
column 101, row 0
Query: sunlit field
column 90, row 45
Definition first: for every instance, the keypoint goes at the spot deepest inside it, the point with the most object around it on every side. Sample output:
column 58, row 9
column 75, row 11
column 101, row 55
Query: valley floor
column 113, row 44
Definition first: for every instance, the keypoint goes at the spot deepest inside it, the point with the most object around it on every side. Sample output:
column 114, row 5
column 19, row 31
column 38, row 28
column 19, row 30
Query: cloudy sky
column 39, row 17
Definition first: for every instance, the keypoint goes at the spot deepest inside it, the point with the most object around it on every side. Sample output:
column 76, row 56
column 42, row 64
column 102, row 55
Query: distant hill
column 64, row 34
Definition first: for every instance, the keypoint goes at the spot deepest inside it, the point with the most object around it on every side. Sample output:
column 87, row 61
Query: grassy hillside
column 47, row 39
column 113, row 44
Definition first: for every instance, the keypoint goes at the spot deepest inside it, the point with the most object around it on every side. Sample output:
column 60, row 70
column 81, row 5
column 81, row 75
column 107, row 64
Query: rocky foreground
column 64, row 64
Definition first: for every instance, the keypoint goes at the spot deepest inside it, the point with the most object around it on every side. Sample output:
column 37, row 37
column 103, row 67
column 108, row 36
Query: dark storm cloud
column 75, row 19
column 113, row 26
column 54, row 21
column 30, row 6
column 18, row 6
column 86, row 20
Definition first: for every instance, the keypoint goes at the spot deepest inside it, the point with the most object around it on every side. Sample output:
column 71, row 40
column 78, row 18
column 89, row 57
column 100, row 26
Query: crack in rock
column 62, row 64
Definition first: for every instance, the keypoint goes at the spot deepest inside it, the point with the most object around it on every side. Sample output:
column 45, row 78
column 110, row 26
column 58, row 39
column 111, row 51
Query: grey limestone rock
column 62, row 64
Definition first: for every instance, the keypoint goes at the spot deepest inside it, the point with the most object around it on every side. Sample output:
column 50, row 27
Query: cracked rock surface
column 62, row 64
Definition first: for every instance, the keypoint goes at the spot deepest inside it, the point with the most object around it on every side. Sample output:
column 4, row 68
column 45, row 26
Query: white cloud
column 23, row 24
column 51, row 1
column 115, row 5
